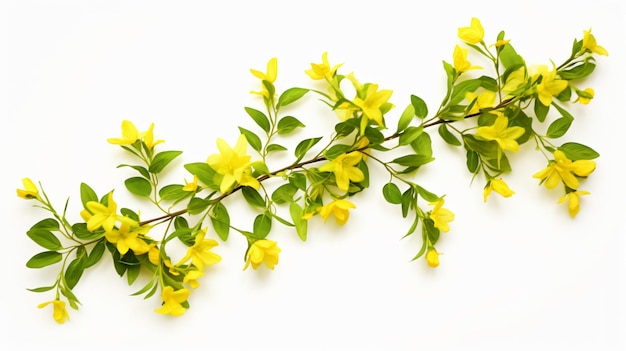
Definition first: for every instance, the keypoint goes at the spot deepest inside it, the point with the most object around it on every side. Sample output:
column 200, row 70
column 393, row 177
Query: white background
column 515, row 274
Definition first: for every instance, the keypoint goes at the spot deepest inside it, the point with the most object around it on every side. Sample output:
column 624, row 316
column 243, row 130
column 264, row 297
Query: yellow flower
column 563, row 169
column 589, row 43
column 148, row 137
column 322, row 70
column 549, row 86
column 500, row 43
column 585, row 96
column 129, row 134
column 485, row 100
column 233, row 165
column 269, row 76
column 262, row 251
column 126, row 238
column 30, row 190
column 172, row 301
column 85, row 215
column 432, row 258
column 473, row 34
column 193, row 186
column 461, row 64
column 338, row 208
column 344, row 169
column 104, row 216
column 192, row 278
column 372, row 103
column 59, row 312
column 154, row 254
column 500, row 132
column 499, row 186
column 441, row 216
column 574, row 201
column 200, row 253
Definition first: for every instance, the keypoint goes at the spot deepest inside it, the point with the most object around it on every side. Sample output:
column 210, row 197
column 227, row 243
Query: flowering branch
column 488, row 116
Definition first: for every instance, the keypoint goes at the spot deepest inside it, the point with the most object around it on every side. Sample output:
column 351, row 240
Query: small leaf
column 392, row 193
column 95, row 255
column 142, row 170
column 447, row 136
column 252, row 139
column 284, row 193
column 288, row 124
column 559, row 127
column 410, row 134
column 45, row 239
column 472, row 161
column 220, row 220
column 50, row 224
column 259, row 118
column 576, row 151
column 412, row 160
column 253, row 197
column 304, row 146
column 173, row 192
column 161, row 160
column 42, row 289
column 296, row 213
column 87, row 194
column 421, row 110
column 406, row 118
column 44, row 259
column 298, row 180
column 262, row 225
column 81, row 232
column 204, row 172
column 336, row 150
column 426, row 195
column 275, row 147
column 541, row 111
column 291, row 95
column 197, row 205
column 73, row 273
column 139, row 186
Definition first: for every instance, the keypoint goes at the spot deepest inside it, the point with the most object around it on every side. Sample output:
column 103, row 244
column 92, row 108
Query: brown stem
column 315, row 160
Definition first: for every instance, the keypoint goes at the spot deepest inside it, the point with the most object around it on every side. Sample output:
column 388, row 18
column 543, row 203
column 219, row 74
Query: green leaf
column 472, row 161
column 142, row 170
column 410, row 134
column 161, row 160
column 259, row 118
column 488, row 83
column 559, row 127
column 262, row 225
column 304, row 146
column 275, row 147
column 336, row 150
column 422, row 145
column 541, row 111
column 87, row 194
column 252, row 139
column 412, row 160
column 288, row 124
column 284, row 193
column 173, row 192
column 346, row 127
column 138, row 186
column 197, row 205
column 45, row 239
column 426, row 195
column 132, row 272
column 406, row 118
column 579, row 71
column 50, row 224
column 407, row 201
column 44, row 259
column 95, row 255
column 392, row 193
column 576, row 151
column 253, row 197
column 464, row 87
column 204, row 172
column 73, row 273
column 296, row 213
column 447, row 136
column 81, row 232
column 431, row 231
column 126, row 212
column 421, row 110
column 291, row 95
column 298, row 180
column 42, row 289
column 220, row 220
column 509, row 57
